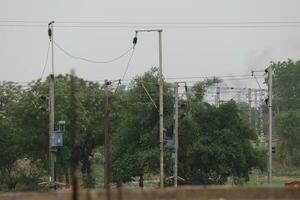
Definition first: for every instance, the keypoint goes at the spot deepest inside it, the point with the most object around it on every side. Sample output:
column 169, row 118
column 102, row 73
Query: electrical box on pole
column 56, row 139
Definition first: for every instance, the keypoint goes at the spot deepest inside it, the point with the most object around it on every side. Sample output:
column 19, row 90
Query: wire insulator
column 134, row 40
column 49, row 32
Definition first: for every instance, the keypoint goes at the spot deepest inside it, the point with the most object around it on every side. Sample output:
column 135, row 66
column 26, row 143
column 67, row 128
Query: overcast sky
column 186, row 52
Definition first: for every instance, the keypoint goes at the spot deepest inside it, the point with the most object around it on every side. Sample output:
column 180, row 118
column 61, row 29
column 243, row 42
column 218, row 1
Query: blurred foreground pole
column 175, row 133
column 249, row 106
column 73, row 132
column 106, row 136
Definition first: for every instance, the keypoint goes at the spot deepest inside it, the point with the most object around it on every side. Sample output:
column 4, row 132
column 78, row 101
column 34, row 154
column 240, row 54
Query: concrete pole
column 175, row 134
column 52, row 151
column 161, row 108
column 161, row 112
column 270, row 73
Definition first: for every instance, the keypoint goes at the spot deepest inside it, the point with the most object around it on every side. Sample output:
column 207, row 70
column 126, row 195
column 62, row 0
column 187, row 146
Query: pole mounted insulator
column 267, row 101
column 107, row 82
column 49, row 29
column 134, row 40
column 49, row 32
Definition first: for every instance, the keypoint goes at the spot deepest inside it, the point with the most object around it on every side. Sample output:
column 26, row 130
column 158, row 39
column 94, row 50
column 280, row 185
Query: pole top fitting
column 149, row 30
column 50, row 23
column 106, row 82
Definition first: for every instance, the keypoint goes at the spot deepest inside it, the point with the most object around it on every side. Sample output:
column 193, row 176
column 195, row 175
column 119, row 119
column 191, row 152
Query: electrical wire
column 153, row 22
column 128, row 63
column 200, row 78
column 129, row 26
column 180, row 26
column 46, row 61
column 257, row 82
column 89, row 60
column 148, row 94
column 23, row 21
column 179, row 23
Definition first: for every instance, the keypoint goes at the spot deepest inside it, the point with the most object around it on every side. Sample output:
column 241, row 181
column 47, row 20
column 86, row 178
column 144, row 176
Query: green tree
column 136, row 140
column 286, row 105
column 215, row 144
column 287, row 128
column 10, row 152
column 286, row 85
column 33, row 124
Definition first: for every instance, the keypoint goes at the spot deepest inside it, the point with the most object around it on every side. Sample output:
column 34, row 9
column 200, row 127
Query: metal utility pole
column 161, row 106
column 52, row 151
column 270, row 99
column 218, row 97
column 249, row 104
column 175, row 134
column 106, row 136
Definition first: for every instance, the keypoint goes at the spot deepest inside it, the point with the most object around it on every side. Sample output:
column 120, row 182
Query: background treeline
column 216, row 144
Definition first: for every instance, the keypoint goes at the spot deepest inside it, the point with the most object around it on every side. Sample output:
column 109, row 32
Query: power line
column 92, row 61
column 134, row 42
column 23, row 25
column 128, row 63
column 179, row 23
column 197, row 77
column 181, row 26
column 188, row 79
column 153, row 22
column 46, row 61
column 24, row 21
column 165, row 25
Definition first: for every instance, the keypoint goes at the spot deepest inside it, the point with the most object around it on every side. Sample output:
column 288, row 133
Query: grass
column 279, row 178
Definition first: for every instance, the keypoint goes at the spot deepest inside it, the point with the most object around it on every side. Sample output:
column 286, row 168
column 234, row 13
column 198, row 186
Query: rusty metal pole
column 175, row 134
column 106, row 136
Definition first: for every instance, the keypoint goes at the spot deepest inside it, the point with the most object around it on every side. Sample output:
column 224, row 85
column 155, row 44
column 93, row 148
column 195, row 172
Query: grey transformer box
column 57, row 139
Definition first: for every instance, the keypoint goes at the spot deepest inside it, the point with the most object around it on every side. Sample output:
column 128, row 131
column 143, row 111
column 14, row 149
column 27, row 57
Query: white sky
column 186, row 52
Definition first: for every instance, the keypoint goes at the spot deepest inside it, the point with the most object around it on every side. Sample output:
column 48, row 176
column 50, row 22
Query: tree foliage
column 286, row 95
column 214, row 143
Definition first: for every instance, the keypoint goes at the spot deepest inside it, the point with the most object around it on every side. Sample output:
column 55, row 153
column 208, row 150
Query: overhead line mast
column 52, row 151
